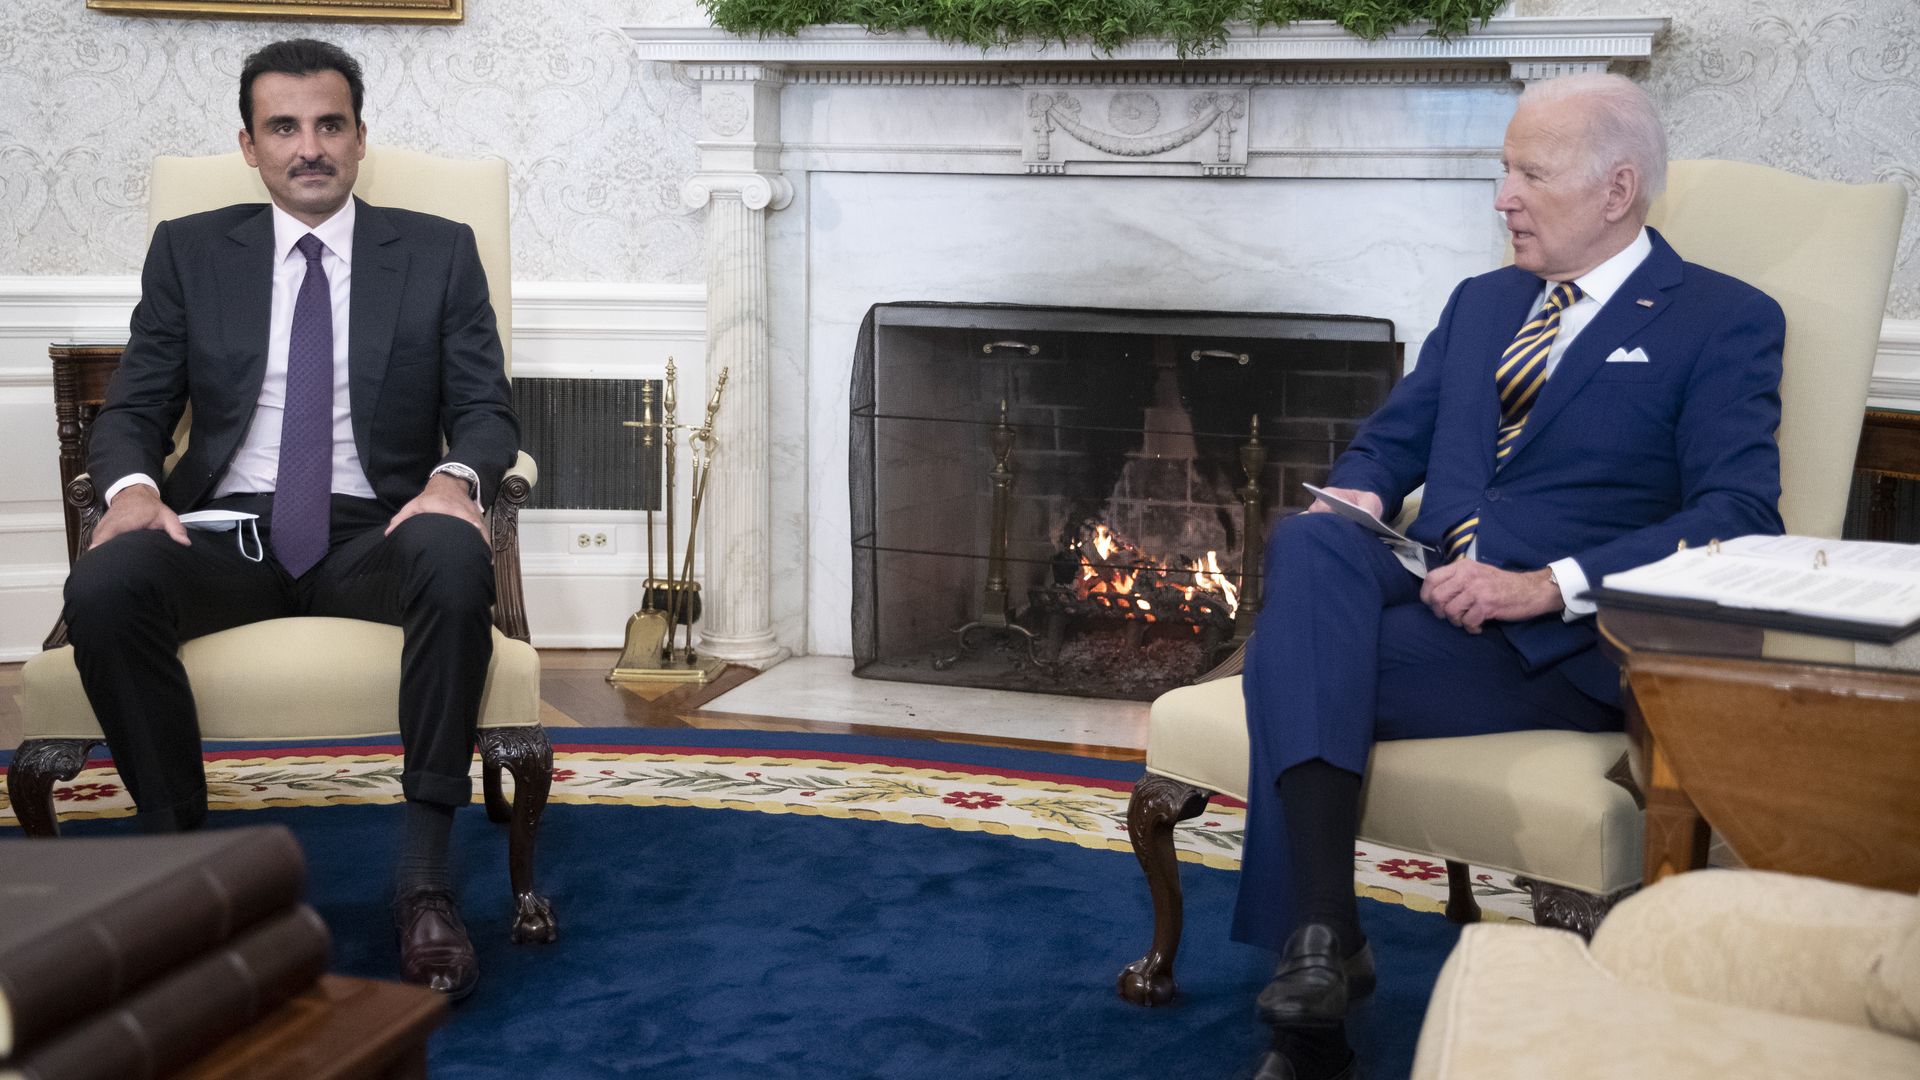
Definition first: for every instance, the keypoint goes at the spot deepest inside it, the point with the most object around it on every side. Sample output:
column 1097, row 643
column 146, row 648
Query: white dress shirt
column 1597, row 286
column 256, row 464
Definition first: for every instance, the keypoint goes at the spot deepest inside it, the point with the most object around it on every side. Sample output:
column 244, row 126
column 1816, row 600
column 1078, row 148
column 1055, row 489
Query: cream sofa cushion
column 1893, row 985
column 1783, row 943
column 1532, row 802
column 306, row 678
column 1521, row 1003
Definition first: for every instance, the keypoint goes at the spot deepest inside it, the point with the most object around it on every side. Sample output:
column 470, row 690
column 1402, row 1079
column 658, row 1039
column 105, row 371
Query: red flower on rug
column 86, row 792
column 973, row 800
column 1411, row 869
column 561, row 776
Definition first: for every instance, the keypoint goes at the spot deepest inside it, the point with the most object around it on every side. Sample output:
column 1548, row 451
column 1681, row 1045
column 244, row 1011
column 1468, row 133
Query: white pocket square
column 1622, row 356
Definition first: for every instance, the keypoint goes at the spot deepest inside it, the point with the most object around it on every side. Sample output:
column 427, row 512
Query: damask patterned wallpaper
column 599, row 142
column 1825, row 88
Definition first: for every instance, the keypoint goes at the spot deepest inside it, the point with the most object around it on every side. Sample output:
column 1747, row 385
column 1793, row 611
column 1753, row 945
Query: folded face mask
column 245, row 526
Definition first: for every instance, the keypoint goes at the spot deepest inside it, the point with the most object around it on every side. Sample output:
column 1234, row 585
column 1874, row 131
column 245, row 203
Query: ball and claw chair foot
column 528, row 756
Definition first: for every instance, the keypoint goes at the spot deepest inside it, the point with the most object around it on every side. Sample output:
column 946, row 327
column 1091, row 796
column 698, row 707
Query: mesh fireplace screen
column 1071, row 483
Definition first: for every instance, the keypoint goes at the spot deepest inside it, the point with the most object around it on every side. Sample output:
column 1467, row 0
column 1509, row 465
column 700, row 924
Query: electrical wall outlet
column 591, row 539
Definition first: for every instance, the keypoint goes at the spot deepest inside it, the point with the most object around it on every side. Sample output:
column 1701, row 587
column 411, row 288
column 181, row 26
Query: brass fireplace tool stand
column 996, row 615
column 669, row 603
column 1253, row 543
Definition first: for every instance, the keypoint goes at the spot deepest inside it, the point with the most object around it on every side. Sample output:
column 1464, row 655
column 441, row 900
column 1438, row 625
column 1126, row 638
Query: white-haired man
column 1575, row 414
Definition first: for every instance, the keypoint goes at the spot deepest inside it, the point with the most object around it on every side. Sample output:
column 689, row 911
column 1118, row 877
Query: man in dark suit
column 1578, row 413
column 328, row 350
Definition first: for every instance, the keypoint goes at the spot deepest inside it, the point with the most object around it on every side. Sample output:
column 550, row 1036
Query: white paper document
column 1411, row 553
column 1849, row 580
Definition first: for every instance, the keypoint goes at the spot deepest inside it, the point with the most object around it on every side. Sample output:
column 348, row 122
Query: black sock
column 1314, row 1055
column 1321, row 803
column 423, row 851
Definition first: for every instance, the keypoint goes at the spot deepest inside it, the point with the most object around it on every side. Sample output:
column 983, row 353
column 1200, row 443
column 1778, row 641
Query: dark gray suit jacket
column 423, row 352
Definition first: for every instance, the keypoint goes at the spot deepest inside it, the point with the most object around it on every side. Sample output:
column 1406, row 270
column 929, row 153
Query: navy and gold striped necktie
column 1522, row 371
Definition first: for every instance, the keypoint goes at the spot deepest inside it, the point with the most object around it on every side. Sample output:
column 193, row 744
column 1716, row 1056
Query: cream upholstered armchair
column 1711, row 974
column 320, row 677
column 1559, row 809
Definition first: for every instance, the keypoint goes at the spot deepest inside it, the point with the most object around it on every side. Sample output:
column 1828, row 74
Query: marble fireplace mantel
column 889, row 158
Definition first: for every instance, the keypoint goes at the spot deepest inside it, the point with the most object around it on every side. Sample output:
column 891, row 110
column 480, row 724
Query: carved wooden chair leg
column 1461, row 906
column 499, row 810
column 1563, row 908
column 526, row 753
column 1158, row 804
column 37, row 765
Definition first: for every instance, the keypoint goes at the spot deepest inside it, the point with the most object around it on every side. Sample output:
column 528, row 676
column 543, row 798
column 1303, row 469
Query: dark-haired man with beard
column 329, row 350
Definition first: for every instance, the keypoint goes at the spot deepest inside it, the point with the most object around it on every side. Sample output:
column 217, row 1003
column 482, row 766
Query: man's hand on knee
column 138, row 507
column 444, row 494
column 1353, row 495
column 1469, row 594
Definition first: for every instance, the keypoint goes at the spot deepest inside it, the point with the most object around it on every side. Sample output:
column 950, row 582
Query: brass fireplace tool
column 669, row 603
column 996, row 616
column 1253, row 545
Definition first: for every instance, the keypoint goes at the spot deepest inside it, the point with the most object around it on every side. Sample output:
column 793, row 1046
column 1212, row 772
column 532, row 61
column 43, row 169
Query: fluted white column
column 739, row 183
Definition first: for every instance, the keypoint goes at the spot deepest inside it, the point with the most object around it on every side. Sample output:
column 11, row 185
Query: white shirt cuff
column 1573, row 582
column 128, row 481
column 454, row 468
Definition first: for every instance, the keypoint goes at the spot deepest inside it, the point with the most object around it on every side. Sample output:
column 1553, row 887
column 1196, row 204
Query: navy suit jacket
column 424, row 357
column 1618, row 462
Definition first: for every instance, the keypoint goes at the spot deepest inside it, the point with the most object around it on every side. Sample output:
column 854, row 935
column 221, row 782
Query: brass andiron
column 651, row 654
column 996, row 616
column 1253, row 543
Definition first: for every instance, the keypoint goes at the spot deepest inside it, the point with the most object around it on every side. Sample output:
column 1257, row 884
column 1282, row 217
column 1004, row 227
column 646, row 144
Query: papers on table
column 1853, row 588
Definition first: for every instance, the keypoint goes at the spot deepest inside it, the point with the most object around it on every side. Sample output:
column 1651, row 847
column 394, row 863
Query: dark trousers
column 1344, row 655
column 131, row 601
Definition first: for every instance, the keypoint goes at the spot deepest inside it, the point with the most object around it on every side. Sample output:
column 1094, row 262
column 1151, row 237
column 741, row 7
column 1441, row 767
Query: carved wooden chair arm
column 503, row 523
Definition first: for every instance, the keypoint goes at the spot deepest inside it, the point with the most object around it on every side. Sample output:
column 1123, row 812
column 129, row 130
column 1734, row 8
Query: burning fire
column 1112, row 565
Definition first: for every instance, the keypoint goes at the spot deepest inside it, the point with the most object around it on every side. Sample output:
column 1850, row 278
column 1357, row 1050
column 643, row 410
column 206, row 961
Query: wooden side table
column 342, row 1029
column 1889, row 451
column 80, row 377
column 1806, row 768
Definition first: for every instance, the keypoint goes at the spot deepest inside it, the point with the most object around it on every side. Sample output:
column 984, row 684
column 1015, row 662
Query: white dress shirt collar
column 336, row 232
column 1601, row 282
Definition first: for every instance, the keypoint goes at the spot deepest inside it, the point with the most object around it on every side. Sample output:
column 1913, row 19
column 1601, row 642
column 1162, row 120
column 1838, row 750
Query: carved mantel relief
column 1200, row 131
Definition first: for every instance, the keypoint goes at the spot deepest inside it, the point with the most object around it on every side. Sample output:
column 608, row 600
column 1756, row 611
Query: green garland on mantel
column 1194, row 26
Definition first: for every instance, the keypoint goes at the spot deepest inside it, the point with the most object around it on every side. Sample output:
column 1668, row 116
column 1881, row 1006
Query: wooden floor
column 574, row 692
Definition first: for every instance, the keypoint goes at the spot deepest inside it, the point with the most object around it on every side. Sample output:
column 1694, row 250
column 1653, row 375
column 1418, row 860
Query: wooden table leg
column 1677, row 836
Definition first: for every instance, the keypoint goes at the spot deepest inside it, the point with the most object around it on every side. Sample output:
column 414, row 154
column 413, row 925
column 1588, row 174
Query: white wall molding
column 1312, row 41
column 1896, row 373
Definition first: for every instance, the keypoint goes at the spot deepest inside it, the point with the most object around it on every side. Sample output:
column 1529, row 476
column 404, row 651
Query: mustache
column 318, row 168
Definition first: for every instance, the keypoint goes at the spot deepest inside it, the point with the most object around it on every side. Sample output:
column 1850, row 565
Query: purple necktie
column 303, row 493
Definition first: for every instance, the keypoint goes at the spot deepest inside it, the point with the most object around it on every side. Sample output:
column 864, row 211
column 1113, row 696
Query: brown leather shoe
column 434, row 950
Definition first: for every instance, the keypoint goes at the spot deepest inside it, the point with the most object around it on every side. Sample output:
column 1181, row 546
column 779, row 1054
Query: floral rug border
column 964, row 799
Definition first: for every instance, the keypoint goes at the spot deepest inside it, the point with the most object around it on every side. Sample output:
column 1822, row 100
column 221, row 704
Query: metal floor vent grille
column 587, row 460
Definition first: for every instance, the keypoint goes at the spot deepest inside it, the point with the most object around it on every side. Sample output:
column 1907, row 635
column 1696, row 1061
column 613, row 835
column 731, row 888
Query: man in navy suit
column 329, row 350
column 1575, row 414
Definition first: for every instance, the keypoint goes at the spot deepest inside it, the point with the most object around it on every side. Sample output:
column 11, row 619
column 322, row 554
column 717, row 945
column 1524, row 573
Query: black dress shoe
column 1314, row 984
column 434, row 950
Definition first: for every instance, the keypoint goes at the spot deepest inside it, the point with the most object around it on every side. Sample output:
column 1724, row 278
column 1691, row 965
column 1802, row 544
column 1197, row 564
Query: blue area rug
column 707, row 944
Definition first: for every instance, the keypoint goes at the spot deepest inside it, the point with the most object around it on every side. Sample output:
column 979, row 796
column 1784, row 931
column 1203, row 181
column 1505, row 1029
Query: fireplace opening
column 1074, row 500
